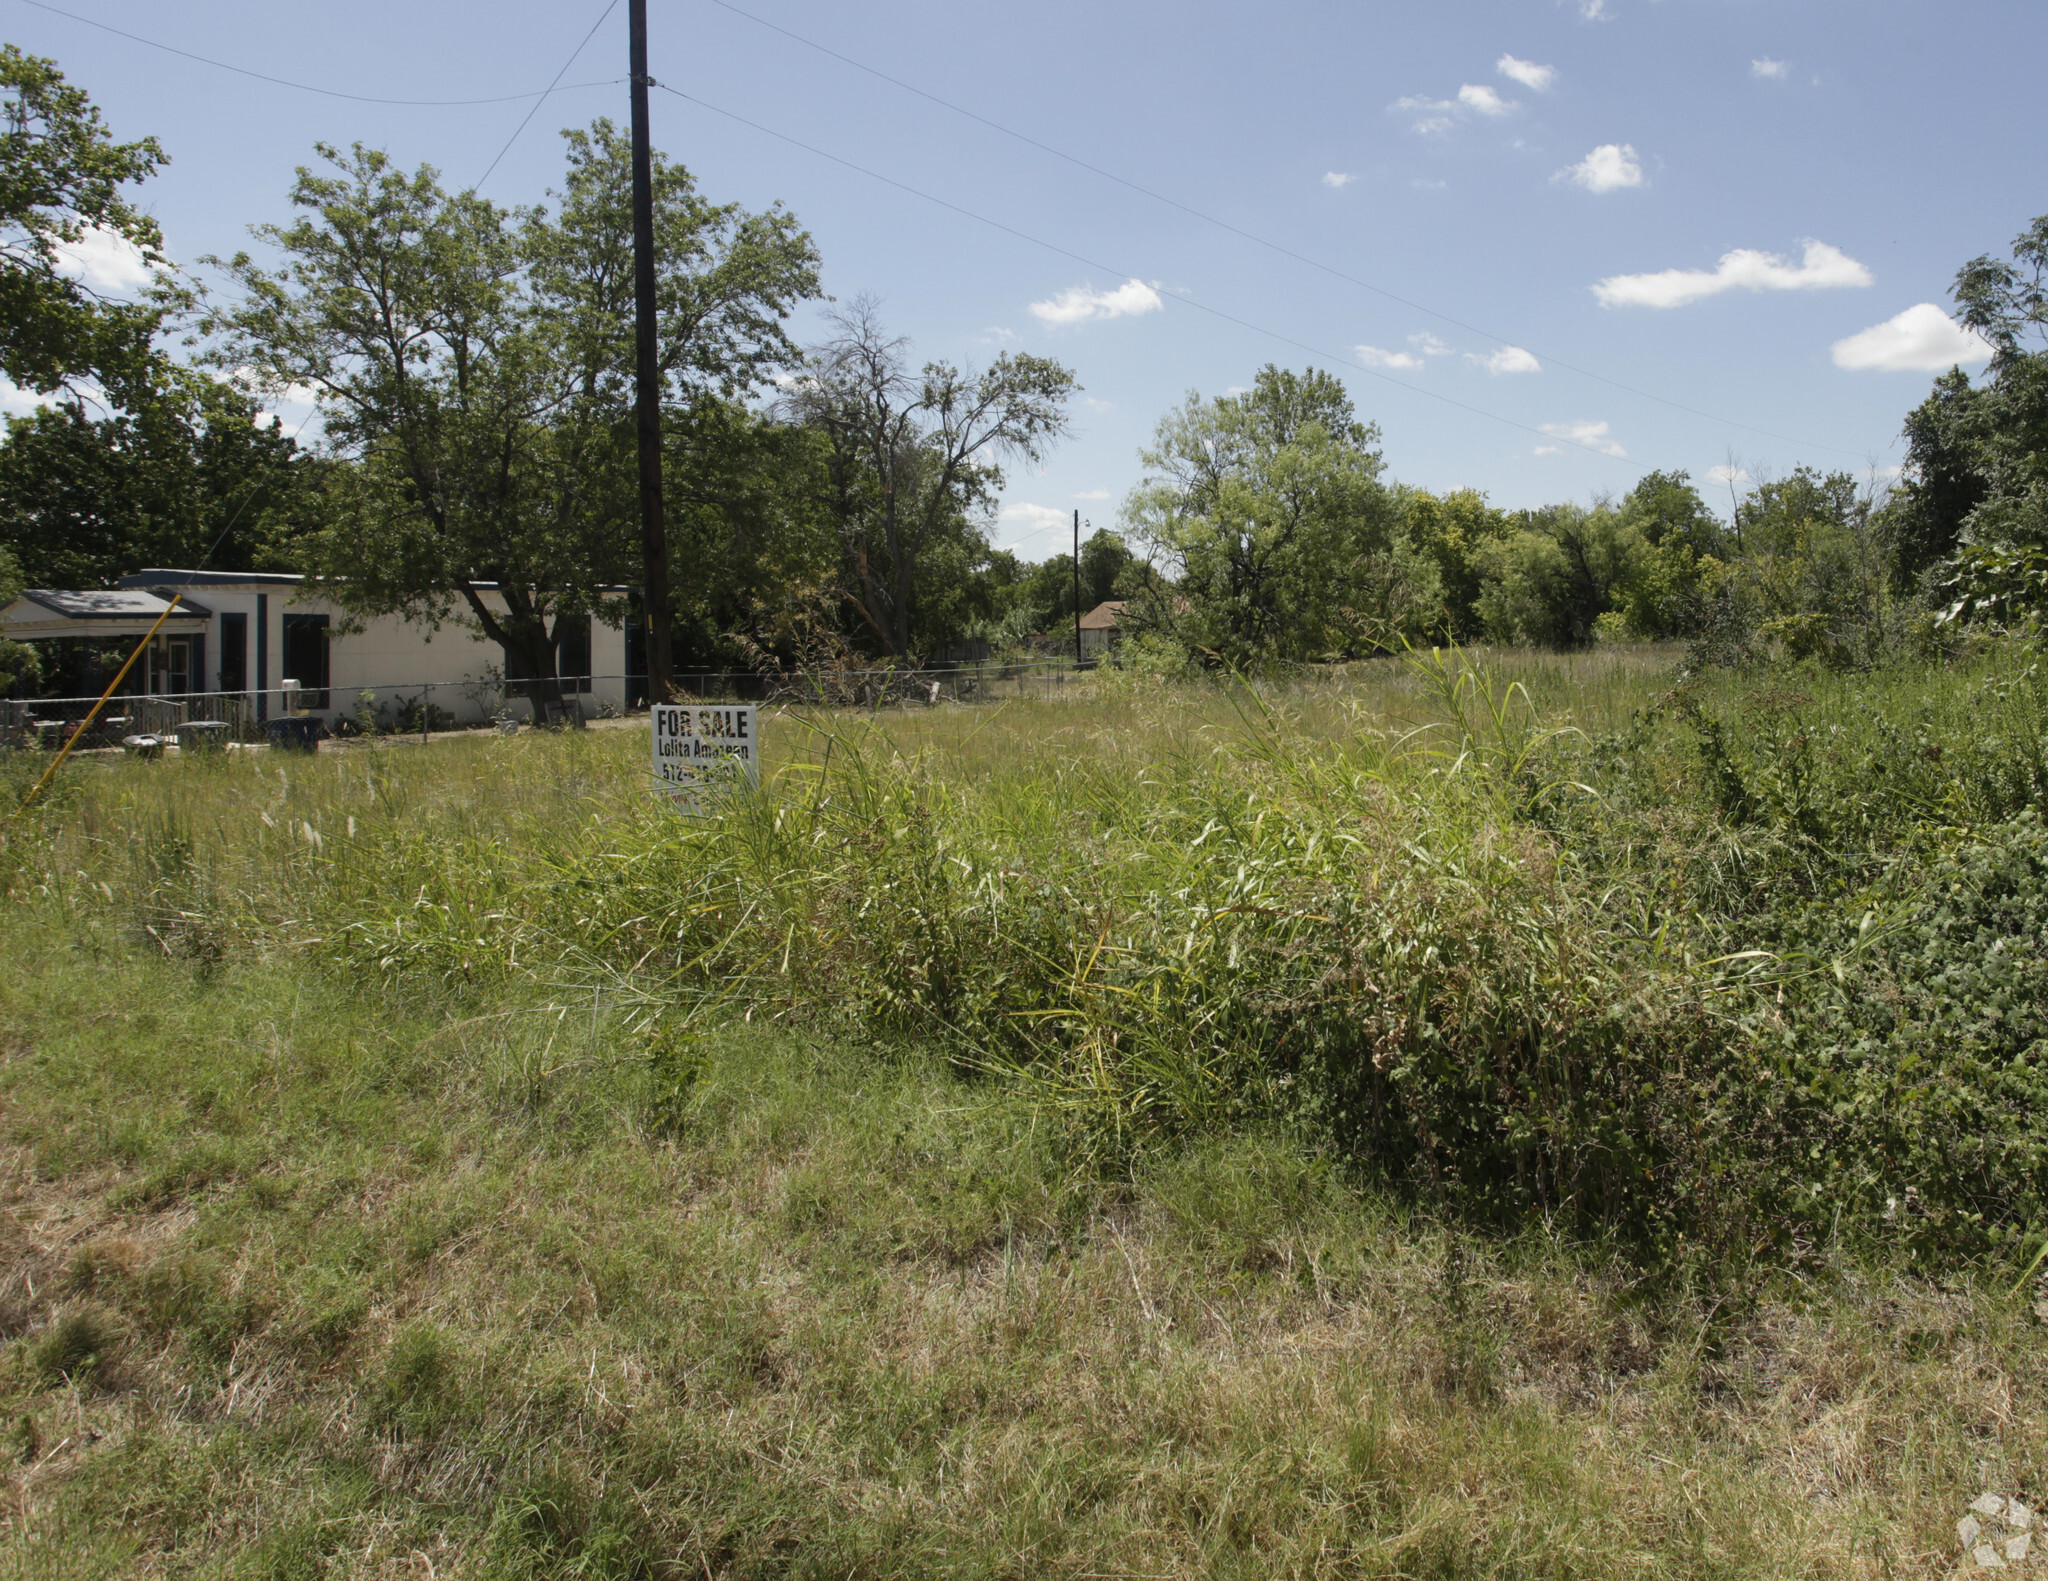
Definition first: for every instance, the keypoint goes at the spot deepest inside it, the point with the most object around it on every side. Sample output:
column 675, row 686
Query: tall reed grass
column 1528, row 938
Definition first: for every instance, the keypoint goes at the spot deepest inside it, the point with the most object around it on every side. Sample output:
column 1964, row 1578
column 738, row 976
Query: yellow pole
column 37, row 789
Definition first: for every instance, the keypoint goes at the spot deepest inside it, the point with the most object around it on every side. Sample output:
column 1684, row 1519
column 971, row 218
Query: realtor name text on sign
column 701, row 745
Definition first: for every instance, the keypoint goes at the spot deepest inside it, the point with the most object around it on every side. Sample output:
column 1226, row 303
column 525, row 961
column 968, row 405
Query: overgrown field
column 1530, row 1117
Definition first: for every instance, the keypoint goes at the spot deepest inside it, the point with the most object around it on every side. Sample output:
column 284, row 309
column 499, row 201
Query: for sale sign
column 704, row 749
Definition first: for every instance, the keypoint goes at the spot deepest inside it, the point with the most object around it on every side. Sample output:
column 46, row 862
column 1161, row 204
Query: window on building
column 305, row 658
column 234, row 653
column 572, row 652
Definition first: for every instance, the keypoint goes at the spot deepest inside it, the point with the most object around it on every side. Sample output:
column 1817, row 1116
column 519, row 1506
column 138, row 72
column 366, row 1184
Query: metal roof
column 112, row 604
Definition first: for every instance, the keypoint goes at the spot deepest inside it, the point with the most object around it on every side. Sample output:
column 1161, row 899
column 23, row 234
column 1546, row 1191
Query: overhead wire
column 307, row 87
column 610, row 7
column 541, row 95
column 1262, row 241
column 1201, row 307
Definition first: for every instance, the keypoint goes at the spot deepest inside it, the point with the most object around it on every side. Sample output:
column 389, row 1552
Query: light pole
column 1077, row 590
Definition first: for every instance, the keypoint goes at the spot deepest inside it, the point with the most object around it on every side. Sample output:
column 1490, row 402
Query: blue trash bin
column 296, row 735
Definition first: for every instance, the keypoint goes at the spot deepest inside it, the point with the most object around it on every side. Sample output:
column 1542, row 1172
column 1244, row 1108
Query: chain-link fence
column 293, row 715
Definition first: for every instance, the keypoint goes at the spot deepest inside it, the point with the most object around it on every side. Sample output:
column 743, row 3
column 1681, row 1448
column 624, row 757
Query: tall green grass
column 1610, row 964
column 1490, row 1117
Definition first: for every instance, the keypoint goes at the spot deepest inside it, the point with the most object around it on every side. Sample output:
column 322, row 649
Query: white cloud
column 106, row 262
column 1728, row 476
column 996, row 335
column 1426, row 343
column 1608, row 168
column 1767, row 68
column 1484, row 101
column 1338, row 178
column 1548, row 450
column 1031, row 519
column 1421, row 185
column 1085, row 305
column 1094, row 494
column 1509, row 359
column 1432, row 115
column 1922, row 339
column 1526, row 72
column 1595, row 11
column 1440, row 115
column 1594, row 436
column 1823, row 268
column 1374, row 357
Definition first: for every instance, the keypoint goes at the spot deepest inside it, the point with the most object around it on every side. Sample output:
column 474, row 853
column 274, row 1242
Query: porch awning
column 44, row 612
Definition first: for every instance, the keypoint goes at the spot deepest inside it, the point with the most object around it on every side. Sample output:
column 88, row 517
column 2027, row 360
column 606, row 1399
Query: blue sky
column 1649, row 233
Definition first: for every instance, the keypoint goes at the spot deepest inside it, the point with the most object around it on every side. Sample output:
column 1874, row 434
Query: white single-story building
column 280, row 647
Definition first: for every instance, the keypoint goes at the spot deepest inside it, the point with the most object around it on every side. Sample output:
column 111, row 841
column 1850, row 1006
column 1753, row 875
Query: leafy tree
column 84, row 500
column 1269, row 533
column 1549, row 582
column 1812, row 568
column 1684, row 548
column 2003, row 433
column 473, row 364
column 1013, row 604
column 1452, row 530
column 749, row 525
column 1106, row 564
column 914, row 460
column 20, row 666
column 61, row 178
column 403, row 309
column 1943, row 481
column 726, row 280
column 1802, row 544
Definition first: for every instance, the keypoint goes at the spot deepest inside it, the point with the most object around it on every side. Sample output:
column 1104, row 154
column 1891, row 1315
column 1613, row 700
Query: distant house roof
column 1103, row 617
column 112, row 604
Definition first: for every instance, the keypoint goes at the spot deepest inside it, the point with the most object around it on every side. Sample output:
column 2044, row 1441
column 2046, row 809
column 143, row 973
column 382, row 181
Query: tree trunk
column 530, row 673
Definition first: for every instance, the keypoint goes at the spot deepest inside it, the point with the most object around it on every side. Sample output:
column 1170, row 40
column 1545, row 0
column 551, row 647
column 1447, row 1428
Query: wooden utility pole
column 1077, row 588
column 647, row 382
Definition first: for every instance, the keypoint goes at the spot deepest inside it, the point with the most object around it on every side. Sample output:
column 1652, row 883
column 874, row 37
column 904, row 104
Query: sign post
column 704, row 750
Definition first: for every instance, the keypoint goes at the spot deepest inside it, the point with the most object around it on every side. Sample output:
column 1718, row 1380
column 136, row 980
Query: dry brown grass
column 306, row 1275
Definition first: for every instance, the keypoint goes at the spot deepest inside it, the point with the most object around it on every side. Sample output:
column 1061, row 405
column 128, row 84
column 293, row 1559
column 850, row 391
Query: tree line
column 472, row 367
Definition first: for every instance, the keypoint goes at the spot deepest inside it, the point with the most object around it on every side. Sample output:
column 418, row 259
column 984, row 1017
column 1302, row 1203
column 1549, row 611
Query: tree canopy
column 472, row 364
column 1976, row 486
column 915, row 458
column 62, row 181
column 1268, row 530
column 85, row 500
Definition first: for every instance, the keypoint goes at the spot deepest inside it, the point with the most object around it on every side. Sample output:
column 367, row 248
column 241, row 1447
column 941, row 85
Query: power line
column 1083, row 259
column 1261, row 241
column 543, row 99
column 307, row 87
